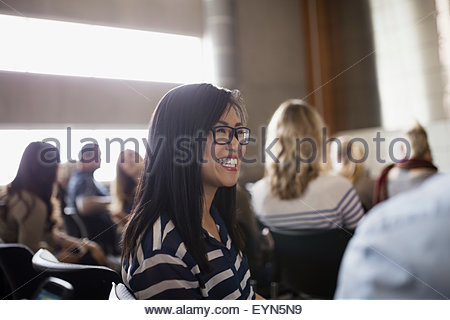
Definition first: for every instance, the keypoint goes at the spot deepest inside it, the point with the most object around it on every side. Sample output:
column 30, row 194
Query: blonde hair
column 298, row 127
column 418, row 138
column 349, row 155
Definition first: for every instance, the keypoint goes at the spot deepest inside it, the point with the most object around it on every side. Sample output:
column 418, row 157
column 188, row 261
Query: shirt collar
column 223, row 233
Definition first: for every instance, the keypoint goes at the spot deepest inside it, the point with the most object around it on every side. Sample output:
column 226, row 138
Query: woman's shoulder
column 162, row 238
column 25, row 199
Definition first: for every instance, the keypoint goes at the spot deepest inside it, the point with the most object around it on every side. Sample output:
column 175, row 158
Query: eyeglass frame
column 233, row 134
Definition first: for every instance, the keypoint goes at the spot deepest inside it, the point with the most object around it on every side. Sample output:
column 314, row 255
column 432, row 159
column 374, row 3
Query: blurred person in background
column 345, row 161
column 91, row 200
column 401, row 249
column 409, row 172
column 128, row 171
column 297, row 192
column 30, row 216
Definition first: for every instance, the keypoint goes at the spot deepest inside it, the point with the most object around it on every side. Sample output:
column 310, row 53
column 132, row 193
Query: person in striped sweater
column 182, row 240
column 297, row 192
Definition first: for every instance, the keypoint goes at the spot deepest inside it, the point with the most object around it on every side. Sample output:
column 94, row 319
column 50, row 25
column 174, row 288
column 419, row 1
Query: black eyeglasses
column 225, row 134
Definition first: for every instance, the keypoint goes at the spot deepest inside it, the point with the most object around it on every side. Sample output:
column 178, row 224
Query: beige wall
column 271, row 63
column 270, row 60
column 173, row 16
column 32, row 100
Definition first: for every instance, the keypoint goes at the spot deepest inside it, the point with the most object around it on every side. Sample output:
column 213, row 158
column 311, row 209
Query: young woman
column 182, row 240
column 29, row 216
column 128, row 170
column 297, row 192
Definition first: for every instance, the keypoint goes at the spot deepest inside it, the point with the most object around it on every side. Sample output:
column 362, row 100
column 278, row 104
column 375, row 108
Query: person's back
column 328, row 202
column 296, row 192
column 401, row 249
column 27, row 214
column 19, row 224
column 411, row 171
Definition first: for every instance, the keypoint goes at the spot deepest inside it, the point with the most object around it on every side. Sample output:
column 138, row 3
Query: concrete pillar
column 220, row 42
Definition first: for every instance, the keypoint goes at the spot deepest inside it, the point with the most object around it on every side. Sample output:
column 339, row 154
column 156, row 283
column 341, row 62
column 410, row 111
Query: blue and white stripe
column 162, row 268
column 330, row 202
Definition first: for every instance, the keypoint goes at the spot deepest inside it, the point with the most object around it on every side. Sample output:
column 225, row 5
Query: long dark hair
column 37, row 175
column 125, row 186
column 174, row 188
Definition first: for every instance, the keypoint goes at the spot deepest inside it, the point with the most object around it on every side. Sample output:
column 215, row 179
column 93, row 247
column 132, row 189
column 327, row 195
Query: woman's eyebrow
column 226, row 123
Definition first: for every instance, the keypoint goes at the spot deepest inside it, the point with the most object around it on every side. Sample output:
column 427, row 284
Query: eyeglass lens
column 224, row 134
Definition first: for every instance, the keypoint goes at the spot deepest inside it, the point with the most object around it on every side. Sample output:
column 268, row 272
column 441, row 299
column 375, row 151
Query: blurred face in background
column 91, row 159
column 131, row 163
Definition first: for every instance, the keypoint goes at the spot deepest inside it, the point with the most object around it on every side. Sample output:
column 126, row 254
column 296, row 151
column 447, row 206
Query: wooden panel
column 342, row 74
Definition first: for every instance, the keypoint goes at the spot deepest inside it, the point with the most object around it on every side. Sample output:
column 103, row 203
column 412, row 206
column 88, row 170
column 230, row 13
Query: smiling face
column 222, row 162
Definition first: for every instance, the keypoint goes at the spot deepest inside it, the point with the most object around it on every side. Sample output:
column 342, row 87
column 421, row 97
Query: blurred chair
column 75, row 227
column 307, row 261
column 54, row 289
column 120, row 292
column 89, row 282
column 18, row 279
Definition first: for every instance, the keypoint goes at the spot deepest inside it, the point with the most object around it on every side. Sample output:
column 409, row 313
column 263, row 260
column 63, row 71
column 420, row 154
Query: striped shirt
column 162, row 268
column 328, row 202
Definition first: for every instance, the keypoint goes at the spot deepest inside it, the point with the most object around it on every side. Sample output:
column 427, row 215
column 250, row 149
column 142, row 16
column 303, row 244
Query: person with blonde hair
column 346, row 160
column 297, row 192
column 409, row 172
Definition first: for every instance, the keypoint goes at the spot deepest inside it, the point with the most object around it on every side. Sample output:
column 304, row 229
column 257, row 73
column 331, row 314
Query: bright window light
column 75, row 49
column 14, row 142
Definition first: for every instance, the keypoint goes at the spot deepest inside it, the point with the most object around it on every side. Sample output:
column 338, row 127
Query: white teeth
column 228, row 162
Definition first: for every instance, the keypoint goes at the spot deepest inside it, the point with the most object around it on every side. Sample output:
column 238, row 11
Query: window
column 408, row 66
column 14, row 142
column 75, row 49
